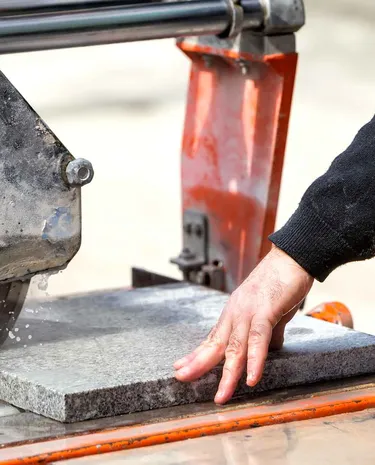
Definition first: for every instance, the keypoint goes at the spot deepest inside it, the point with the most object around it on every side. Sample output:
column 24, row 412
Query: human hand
column 252, row 321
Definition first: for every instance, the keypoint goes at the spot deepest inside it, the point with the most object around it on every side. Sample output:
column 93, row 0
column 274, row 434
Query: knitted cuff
column 312, row 243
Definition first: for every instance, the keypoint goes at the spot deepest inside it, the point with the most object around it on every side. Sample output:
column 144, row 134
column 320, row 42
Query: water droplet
column 16, row 330
column 26, row 326
column 18, row 339
column 29, row 336
column 11, row 335
column 25, row 346
column 29, row 310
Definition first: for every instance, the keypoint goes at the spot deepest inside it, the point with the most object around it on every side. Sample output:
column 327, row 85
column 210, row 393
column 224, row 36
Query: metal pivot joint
column 79, row 172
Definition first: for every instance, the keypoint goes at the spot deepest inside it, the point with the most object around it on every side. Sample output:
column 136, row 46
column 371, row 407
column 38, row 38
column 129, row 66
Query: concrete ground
column 122, row 107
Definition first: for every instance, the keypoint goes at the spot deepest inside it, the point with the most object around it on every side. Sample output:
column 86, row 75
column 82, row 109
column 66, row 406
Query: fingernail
column 183, row 371
column 179, row 363
column 250, row 378
column 219, row 397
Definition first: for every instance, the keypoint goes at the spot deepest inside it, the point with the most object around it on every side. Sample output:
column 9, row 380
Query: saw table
column 69, row 398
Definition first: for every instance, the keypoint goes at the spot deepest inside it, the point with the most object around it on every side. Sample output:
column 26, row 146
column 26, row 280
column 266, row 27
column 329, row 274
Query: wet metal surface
column 345, row 439
column 20, row 427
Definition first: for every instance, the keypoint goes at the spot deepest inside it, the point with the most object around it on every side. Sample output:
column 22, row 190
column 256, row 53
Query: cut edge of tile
column 169, row 392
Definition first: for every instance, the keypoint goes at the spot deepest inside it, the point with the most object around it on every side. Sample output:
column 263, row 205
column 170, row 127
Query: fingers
column 207, row 355
column 259, row 339
column 235, row 362
column 244, row 332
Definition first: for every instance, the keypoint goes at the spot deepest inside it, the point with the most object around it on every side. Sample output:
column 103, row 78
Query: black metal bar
column 212, row 15
column 22, row 7
column 253, row 14
column 104, row 22
column 145, row 278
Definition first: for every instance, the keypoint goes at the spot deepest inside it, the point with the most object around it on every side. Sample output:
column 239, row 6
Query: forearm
column 335, row 221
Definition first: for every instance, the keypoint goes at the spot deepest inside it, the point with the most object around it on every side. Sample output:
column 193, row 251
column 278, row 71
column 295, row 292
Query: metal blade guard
column 40, row 199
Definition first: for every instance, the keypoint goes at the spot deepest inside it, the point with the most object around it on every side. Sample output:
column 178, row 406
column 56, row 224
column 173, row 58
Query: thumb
column 277, row 339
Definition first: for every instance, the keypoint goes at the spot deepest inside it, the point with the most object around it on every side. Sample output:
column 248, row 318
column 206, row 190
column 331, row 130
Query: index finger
column 207, row 355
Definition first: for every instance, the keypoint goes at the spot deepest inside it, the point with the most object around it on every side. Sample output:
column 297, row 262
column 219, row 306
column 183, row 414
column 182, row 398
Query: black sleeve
column 335, row 221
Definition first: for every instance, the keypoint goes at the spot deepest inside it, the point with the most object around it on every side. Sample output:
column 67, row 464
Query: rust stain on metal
column 233, row 150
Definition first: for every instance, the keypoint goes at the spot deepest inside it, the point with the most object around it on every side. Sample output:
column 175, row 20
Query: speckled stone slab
column 111, row 353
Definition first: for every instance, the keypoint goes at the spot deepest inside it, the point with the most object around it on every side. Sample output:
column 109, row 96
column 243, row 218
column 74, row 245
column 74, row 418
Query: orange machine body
column 236, row 125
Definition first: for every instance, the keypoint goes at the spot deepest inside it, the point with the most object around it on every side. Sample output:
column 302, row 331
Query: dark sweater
column 335, row 221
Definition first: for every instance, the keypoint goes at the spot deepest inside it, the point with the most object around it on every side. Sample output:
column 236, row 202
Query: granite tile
column 110, row 353
column 7, row 410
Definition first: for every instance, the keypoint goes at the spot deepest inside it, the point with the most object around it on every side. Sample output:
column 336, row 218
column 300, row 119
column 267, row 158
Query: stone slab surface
column 106, row 354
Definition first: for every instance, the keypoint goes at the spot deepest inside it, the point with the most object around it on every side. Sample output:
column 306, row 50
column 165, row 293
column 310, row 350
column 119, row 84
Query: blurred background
column 122, row 107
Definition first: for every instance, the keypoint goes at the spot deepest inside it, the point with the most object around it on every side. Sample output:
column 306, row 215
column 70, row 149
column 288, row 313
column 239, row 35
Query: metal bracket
column 246, row 42
column 145, row 278
column 194, row 261
column 40, row 212
column 195, row 242
column 283, row 16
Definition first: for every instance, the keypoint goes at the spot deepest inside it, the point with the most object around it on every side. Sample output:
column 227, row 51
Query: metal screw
column 186, row 254
column 198, row 230
column 208, row 61
column 79, row 172
column 244, row 67
column 188, row 228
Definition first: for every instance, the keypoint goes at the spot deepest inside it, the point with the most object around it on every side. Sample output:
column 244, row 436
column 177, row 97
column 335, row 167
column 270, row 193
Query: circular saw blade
column 12, row 298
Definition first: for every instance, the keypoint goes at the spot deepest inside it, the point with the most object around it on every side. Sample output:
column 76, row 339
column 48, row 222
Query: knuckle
column 251, row 357
column 239, row 300
column 214, row 341
column 235, row 347
column 212, row 336
column 258, row 332
column 235, row 294
column 228, row 371
column 255, row 335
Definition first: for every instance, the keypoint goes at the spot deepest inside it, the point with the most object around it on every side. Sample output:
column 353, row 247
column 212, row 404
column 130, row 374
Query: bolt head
column 186, row 254
column 79, row 172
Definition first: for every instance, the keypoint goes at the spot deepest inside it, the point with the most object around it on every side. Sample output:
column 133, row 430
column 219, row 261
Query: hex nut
column 79, row 172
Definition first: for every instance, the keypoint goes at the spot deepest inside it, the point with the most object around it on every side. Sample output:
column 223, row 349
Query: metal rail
column 37, row 25
column 28, row 6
